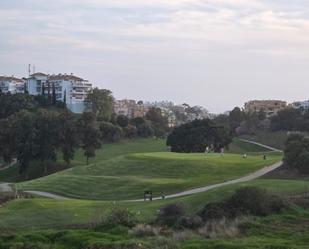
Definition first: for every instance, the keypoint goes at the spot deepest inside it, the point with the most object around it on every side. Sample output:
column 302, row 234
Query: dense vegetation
column 198, row 135
column 296, row 153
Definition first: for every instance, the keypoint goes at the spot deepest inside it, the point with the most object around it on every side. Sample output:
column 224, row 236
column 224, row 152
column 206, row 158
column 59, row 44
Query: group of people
column 245, row 156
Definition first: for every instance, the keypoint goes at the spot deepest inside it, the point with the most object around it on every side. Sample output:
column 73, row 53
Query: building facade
column 303, row 105
column 11, row 84
column 68, row 88
column 270, row 107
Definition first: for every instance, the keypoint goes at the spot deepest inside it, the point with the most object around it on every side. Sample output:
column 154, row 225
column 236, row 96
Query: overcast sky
column 214, row 53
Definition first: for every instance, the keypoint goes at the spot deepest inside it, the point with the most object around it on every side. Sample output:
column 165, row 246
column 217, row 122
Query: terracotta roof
column 10, row 78
column 65, row 77
column 38, row 74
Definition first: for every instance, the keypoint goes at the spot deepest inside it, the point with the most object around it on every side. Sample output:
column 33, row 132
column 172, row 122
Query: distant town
column 73, row 90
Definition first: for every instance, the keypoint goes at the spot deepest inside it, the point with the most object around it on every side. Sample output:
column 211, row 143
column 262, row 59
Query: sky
column 214, row 53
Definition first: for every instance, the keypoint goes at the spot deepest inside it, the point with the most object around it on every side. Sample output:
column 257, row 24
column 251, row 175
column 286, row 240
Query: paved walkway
column 5, row 187
column 47, row 195
column 9, row 165
column 261, row 145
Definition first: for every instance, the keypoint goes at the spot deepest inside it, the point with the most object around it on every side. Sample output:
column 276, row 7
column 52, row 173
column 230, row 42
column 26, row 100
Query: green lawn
column 126, row 177
column 106, row 152
column 109, row 151
column 40, row 213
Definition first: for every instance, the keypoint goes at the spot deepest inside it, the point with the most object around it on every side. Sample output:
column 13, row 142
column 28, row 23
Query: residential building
column 11, row 84
column 270, row 107
column 303, row 105
column 36, row 83
column 125, row 107
column 69, row 88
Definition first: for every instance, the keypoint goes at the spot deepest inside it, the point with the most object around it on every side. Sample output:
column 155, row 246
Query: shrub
column 222, row 228
column 169, row 214
column 142, row 230
column 190, row 221
column 254, row 201
column 215, row 210
column 119, row 217
column 303, row 163
column 245, row 201
column 183, row 235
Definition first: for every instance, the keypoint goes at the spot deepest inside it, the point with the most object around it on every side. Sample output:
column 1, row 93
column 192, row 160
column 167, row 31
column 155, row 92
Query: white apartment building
column 303, row 105
column 68, row 87
column 11, row 84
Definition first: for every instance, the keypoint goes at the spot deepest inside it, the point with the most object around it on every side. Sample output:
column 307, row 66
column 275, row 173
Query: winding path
column 247, row 178
column 261, row 145
column 9, row 165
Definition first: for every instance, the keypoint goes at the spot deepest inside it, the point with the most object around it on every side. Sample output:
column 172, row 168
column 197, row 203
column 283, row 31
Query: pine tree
column 54, row 100
column 65, row 97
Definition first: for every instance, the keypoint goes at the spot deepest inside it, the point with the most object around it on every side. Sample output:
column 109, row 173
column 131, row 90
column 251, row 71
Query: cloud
column 140, row 39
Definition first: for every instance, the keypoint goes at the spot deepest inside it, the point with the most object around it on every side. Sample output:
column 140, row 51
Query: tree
column 47, row 127
column 296, row 152
column 197, row 135
column 287, row 119
column 54, row 98
column 21, row 129
column 89, row 134
column 159, row 122
column 236, row 117
column 68, row 136
column 13, row 103
column 101, row 103
column 65, row 97
column 110, row 133
column 122, row 121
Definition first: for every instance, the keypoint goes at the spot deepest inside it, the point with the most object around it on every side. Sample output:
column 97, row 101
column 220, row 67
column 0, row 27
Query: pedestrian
column 264, row 157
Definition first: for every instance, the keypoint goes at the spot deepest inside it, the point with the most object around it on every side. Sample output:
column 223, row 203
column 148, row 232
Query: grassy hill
column 125, row 169
column 127, row 176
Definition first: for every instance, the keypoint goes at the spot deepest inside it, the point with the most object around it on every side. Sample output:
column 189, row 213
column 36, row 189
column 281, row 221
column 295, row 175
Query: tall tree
column 159, row 122
column 47, row 136
column 25, row 150
column 89, row 134
column 68, row 135
column 54, row 98
column 197, row 135
column 101, row 103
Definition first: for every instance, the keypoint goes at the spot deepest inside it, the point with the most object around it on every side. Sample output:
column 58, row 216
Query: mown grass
column 126, row 177
column 108, row 151
column 24, row 222
column 45, row 213
column 36, row 170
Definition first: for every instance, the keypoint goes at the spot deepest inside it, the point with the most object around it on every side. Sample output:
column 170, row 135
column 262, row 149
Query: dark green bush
column 214, row 211
column 190, row 221
column 170, row 214
column 245, row 201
